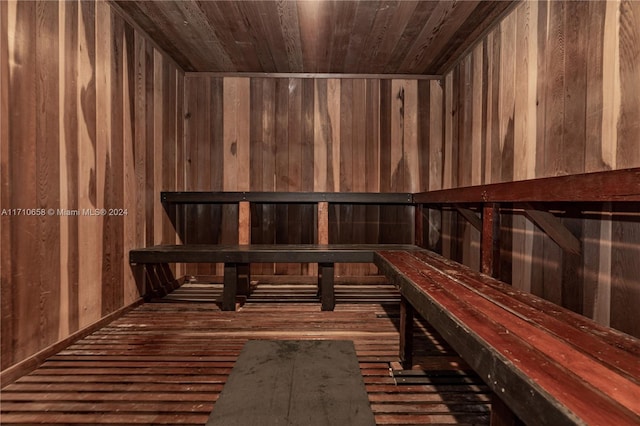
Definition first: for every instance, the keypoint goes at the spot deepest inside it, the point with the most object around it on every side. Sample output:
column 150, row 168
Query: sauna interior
column 499, row 140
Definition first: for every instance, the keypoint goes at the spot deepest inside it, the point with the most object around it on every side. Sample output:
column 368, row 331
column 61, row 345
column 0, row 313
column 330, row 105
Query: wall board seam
column 483, row 35
column 124, row 15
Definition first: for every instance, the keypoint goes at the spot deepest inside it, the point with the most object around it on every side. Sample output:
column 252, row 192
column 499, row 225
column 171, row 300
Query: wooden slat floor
column 166, row 361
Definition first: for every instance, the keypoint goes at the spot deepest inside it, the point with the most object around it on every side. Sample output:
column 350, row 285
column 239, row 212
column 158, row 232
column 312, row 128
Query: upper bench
column 201, row 197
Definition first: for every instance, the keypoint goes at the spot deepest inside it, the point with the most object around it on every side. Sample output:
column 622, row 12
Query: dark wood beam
column 490, row 249
column 193, row 197
column 554, row 228
column 262, row 253
column 614, row 185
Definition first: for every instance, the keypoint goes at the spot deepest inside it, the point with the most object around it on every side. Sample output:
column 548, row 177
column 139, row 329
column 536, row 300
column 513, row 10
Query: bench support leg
column 168, row 278
column 160, row 279
column 406, row 333
column 244, row 279
column 325, row 286
column 152, row 282
column 230, row 288
column 490, row 249
column 501, row 414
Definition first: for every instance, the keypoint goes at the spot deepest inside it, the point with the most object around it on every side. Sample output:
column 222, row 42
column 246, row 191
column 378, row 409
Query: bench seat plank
column 237, row 257
column 291, row 382
column 541, row 376
column 262, row 253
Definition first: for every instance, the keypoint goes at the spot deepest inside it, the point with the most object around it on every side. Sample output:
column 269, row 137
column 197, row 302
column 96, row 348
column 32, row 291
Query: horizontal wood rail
column 614, row 185
column 609, row 186
column 199, row 197
column 262, row 253
column 549, row 365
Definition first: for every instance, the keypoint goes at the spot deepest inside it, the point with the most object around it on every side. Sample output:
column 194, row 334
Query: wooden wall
column 93, row 117
column 303, row 134
column 554, row 90
column 89, row 113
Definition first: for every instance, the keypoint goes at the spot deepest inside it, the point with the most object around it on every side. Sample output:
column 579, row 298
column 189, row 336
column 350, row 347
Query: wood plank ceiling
column 316, row 36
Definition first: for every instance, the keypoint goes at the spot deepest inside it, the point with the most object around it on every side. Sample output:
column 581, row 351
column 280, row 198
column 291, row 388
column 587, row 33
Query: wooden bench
column 294, row 382
column 237, row 258
column 549, row 365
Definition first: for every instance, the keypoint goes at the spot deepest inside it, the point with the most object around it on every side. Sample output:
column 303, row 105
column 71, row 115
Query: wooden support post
column 244, row 237
column 326, row 286
column 323, row 238
column 419, row 225
column 323, row 222
column 490, row 251
column 168, row 279
column 154, row 288
column 244, row 279
column 406, row 333
column 230, row 287
column 501, row 414
column 244, row 222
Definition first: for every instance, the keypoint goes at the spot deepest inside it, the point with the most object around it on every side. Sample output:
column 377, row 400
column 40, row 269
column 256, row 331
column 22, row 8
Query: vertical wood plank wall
column 553, row 90
column 93, row 117
column 299, row 134
column 89, row 121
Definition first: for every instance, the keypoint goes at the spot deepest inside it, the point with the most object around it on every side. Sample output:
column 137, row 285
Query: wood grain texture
column 48, row 170
column 6, row 292
column 625, row 276
column 556, row 100
column 22, row 160
column 244, row 223
column 525, row 121
column 179, row 381
column 89, row 229
column 80, row 83
column 409, row 37
column 67, row 28
column 323, row 222
column 430, row 290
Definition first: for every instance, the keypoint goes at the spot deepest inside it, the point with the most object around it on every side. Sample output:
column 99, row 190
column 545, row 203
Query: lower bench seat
column 236, row 259
column 549, row 365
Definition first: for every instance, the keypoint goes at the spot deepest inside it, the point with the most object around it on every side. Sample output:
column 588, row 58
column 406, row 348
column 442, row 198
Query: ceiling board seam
column 483, row 35
column 129, row 20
